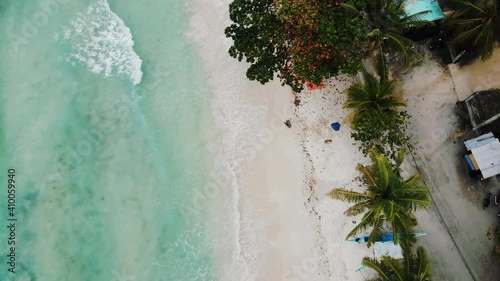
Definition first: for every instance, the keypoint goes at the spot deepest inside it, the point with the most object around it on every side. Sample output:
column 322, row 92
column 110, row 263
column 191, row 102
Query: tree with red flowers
column 295, row 40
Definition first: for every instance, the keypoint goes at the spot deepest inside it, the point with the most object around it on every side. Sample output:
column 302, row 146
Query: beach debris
column 335, row 126
column 328, row 141
column 486, row 201
column 288, row 123
column 296, row 101
column 490, row 234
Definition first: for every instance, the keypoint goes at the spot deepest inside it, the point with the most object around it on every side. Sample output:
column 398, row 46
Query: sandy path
column 478, row 76
column 456, row 222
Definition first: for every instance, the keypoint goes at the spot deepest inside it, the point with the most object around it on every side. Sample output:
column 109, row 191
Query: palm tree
column 478, row 24
column 388, row 23
column 376, row 119
column 375, row 96
column 388, row 200
column 413, row 267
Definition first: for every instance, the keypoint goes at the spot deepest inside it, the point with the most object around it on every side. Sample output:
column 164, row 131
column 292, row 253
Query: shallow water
column 104, row 113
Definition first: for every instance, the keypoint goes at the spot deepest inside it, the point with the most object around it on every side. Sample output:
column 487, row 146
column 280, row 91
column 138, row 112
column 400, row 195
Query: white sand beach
column 477, row 76
column 287, row 227
column 456, row 223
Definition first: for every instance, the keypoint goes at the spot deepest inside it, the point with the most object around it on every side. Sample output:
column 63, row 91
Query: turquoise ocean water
column 104, row 117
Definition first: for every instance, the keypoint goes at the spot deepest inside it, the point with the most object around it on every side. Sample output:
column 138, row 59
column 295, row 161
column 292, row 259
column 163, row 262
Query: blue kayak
column 384, row 237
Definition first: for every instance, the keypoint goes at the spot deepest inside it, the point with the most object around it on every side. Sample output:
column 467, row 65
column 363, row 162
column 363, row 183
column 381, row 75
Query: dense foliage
column 296, row 40
column 388, row 133
column 387, row 23
column 389, row 200
column 377, row 120
column 477, row 25
column 413, row 267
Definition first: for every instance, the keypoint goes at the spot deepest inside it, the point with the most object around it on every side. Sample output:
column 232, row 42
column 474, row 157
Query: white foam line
column 237, row 118
column 101, row 41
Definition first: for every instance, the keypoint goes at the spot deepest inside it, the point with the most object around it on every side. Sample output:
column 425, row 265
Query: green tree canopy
column 295, row 40
column 389, row 199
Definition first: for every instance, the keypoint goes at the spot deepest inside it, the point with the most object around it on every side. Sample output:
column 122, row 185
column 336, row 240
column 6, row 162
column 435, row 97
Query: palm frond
column 400, row 46
column 358, row 208
column 395, row 267
column 469, row 4
column 381, row 65
column 367, row 174
column 378, row 266
column 375, row 34
column 404, row 222
column 348, row 195
column 365, row 223
column 478, row 25
column 377, row 224
column 399, row 158
column 406, row 244
column 466, row 32
column 382, row 168
column 414, row 267
column 350, row 8
column 423, row 265
column 415, row 201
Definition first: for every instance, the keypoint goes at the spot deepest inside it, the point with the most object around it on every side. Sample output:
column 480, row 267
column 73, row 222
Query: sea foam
column 101, row 41
column 242, row 134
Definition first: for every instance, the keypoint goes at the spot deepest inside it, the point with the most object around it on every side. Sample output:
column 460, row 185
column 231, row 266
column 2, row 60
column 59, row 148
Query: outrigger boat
column 384, row 237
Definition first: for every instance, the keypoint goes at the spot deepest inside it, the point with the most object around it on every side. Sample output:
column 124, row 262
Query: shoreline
column 280, row 223
column 264, row 226
column 272, row 198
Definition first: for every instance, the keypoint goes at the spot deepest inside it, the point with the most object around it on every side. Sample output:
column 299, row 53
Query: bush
column 387, row 131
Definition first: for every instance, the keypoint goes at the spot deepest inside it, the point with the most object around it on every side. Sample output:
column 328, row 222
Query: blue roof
column 416, row 6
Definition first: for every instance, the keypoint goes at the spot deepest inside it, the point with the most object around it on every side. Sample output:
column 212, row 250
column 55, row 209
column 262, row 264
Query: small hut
column 484, row 111
column 483, row 156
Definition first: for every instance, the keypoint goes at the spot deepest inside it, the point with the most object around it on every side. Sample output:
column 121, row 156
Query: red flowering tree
column 295, row 40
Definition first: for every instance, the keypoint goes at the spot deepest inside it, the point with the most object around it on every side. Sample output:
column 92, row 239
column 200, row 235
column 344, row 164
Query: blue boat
column 384, row 237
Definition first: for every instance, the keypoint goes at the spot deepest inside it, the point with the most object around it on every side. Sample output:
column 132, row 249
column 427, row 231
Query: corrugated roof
column 483, row 107
column 488, row 158
column 479, row 141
